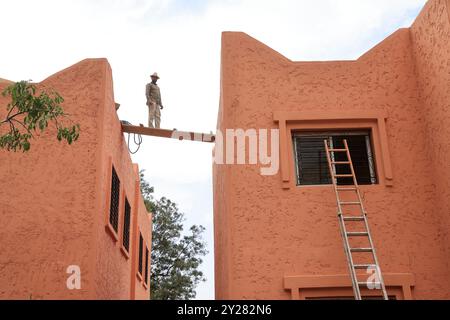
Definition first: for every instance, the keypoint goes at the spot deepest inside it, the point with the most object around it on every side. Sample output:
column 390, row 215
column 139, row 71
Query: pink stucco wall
column 144, row 226
column 430, row 35
column 55, row 199
column 269, row 232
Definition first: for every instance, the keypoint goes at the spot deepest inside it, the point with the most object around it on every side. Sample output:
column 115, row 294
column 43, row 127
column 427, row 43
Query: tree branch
column 28, row 130
column 176, row 259
column 9, row 118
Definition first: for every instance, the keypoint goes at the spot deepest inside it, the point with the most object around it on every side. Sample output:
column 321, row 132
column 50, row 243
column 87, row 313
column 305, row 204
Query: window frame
column 115, row 224
column 329, row 134
column 301, row 287
column 140, row 256
column 319, row 120
column 108, row 226
column 146, row 272
column 126, row 251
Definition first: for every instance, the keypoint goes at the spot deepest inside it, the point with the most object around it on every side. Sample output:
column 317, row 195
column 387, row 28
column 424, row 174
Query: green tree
column 176, row 258
column 29, row 112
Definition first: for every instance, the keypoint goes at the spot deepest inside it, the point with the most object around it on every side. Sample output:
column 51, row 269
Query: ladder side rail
column 350, row 263
column 375, row 257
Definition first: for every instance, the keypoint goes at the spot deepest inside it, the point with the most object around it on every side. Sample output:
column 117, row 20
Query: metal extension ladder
column 345, row 219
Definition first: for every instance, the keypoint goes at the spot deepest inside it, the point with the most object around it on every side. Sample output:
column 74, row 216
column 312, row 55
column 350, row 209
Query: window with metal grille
column 126, row 226
column 351, row 298
column 146, row 266
column 115, row 199
column 141, row 244
column 311, row 159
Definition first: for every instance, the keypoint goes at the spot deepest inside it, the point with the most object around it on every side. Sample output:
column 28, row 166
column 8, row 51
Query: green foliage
column 147, row 193
column 176, row 258
column 29, row 112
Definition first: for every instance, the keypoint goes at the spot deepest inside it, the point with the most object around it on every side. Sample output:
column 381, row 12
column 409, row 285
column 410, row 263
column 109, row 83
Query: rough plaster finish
column 144, row 226
column 431, row 37
column 54, row 198
column 264, row 233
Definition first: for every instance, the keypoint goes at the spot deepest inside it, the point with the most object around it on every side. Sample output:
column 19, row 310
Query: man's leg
column 151, row 114
column 158, row 117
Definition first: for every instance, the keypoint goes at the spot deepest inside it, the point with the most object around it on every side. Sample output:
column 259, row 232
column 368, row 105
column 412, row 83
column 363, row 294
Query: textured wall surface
column 222, row 259
column 53, row 204
column 144, row 225
column 113, row 268
column 48, row 198
column 264, row 232
column 431, row 38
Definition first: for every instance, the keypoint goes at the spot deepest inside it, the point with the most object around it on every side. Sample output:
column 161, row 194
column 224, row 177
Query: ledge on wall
column 399, row 285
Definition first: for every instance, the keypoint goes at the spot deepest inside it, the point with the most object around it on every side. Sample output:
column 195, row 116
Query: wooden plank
column 170, row 134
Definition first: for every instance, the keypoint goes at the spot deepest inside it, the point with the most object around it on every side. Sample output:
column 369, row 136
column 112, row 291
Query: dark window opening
column 351, row 298
column 141, row 245
column 115, row 199
column 311, row 159
column 146, row 266
column 126, row 226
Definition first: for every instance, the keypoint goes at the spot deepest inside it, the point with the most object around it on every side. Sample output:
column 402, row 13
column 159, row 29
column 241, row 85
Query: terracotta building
column 74, row 224
column 277, row 237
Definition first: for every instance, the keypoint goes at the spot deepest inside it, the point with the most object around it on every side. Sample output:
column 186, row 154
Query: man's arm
column 147, row 91
column 160, row 101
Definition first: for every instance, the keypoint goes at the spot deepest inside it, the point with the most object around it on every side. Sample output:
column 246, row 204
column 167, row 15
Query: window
column 311, row 159
column 115, row 196
column 146, row 266
column 141, row 245
column 126, row 226
column 352, row 298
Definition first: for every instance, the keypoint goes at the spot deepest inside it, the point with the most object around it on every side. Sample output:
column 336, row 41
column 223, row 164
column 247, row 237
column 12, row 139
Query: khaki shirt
column 153, row 93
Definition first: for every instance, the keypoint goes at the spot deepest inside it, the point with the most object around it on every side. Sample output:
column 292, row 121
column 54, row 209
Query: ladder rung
column 356, row 218
column 340, row 162
column 364, row 266
column 357, row 234
column 346, row 189
column 349, row 203
column 361, row 249
column 376, row 285
column 343, row 176
column 337, row 150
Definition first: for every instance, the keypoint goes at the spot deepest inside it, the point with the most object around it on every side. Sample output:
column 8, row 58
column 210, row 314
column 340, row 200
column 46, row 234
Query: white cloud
column 182, row 43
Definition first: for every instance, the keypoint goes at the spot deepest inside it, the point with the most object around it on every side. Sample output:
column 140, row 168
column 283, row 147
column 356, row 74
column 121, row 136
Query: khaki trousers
column 154, row 114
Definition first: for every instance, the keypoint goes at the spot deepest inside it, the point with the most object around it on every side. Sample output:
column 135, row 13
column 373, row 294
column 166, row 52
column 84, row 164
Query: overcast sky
column 180, row 39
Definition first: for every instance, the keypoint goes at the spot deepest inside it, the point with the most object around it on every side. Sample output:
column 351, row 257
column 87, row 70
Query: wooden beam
column 171, row 134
